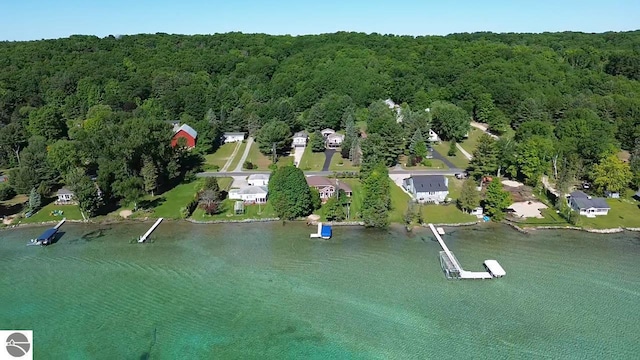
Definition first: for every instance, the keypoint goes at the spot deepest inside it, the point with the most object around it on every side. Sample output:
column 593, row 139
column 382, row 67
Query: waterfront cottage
column 300, row 139
column 65, row 196
column 230, row 137
column 185, row 132
column 250, row 194
column 258, row 179
column 327, row 187
column 588, row 206
column 427, row 188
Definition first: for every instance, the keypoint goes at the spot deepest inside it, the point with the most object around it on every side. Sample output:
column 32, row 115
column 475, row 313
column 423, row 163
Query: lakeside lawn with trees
column 95, row 114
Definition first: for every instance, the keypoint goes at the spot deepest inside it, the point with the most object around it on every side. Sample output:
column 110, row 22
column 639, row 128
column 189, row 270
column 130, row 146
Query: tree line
column 84, row 107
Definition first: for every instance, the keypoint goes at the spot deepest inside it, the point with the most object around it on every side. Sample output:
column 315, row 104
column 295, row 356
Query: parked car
column 462, row 175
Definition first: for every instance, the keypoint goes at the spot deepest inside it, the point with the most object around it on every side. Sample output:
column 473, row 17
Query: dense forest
column 101, row 104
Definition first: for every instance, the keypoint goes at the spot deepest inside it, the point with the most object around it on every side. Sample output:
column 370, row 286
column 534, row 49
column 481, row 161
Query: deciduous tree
column 611, row 174
column 289, row 193
column 496, row 200
column 469, row 198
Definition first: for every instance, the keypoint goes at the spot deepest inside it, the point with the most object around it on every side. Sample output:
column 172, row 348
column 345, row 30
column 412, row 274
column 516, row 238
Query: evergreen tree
column 634, row 164
column 351, row 135
column 35, row 200
column 485, row 158
column 376, row 200
column 452, row 148
column 469, row 198
column 316, row 141
column 496, row 200
column 149, row 175
column 355, row 152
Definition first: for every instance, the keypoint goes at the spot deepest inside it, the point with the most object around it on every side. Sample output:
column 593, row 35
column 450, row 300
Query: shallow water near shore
column 245, row 291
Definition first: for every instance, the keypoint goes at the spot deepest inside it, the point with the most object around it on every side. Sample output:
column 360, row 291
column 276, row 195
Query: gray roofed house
column 427, row 188
column 300, row 138
column 588, row 206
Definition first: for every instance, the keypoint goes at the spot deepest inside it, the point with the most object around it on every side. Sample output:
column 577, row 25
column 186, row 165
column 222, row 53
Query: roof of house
column 64, row 191
column 233, row 133
column 321, row 181
column 188, row 129
column 429, row 183
column 587, row 203
column 259, row 177
column 301, row 134
column 327, row 130
column 251, row 190
column 579, row 195
column 335, row 137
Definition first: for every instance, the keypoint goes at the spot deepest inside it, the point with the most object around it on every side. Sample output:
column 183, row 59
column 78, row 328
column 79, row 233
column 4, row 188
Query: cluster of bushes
column 249, row 165
column 190, row 208
column 346, row 174
column 7, row 192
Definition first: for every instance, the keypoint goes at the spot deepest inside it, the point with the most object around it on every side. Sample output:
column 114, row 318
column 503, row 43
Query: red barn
column 186, row 132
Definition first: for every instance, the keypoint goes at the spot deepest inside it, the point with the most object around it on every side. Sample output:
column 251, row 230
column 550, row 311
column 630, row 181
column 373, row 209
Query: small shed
column 238, row 208
column 230, row 137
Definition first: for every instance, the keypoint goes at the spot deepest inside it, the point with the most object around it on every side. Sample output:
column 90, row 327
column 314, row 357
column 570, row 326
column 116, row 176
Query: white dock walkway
column 453, row 262
column 153, row 227
column 60, row 223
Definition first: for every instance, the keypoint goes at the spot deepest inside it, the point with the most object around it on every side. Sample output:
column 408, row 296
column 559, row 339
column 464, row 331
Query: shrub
column 452, row 148
column 273, row 167
column 427, row 163
column 249, row 165
column 190, row 208
column 6, row 192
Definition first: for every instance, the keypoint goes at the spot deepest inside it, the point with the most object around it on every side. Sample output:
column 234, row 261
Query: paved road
column 328, row 154
column 446, row 172
column 233, row 155
column 438, row 156
column 244, row 155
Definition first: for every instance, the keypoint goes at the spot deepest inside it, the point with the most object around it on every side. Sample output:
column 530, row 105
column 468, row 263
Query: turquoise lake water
column 267, row 291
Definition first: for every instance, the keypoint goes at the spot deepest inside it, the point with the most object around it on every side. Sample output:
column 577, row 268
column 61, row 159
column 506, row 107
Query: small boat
column 45, row 239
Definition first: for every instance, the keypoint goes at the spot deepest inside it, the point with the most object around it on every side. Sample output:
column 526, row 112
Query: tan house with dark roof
column 327, row 187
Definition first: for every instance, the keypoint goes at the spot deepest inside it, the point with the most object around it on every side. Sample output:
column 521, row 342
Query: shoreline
column 521, row 229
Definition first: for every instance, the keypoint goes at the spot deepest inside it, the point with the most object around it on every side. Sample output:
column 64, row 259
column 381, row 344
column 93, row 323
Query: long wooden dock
column 153, row 227
column 451, row 266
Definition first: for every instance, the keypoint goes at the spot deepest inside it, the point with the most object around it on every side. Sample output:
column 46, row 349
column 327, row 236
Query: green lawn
column 445, row 214
column 459, row 160
column 251, row 212
column 435, row 164
column 224, row 183
column 471, row 142
column 257, row 158
column 168, row 205
column 624, row 213
column 312, row 161
column 238, row 156
column 399, row 201
column 220, row 157
column 340, row 164
column 284, row 161
column 71, row 212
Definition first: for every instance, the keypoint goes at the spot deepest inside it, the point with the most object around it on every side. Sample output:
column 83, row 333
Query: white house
column 327, row 132
column 300, row 138
column 258, row 179
column 334, row 141
column 250, row 194
column 64, row 195
column 427, row 188
column 230, row 137
column 588, row 206
column 433, row 137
